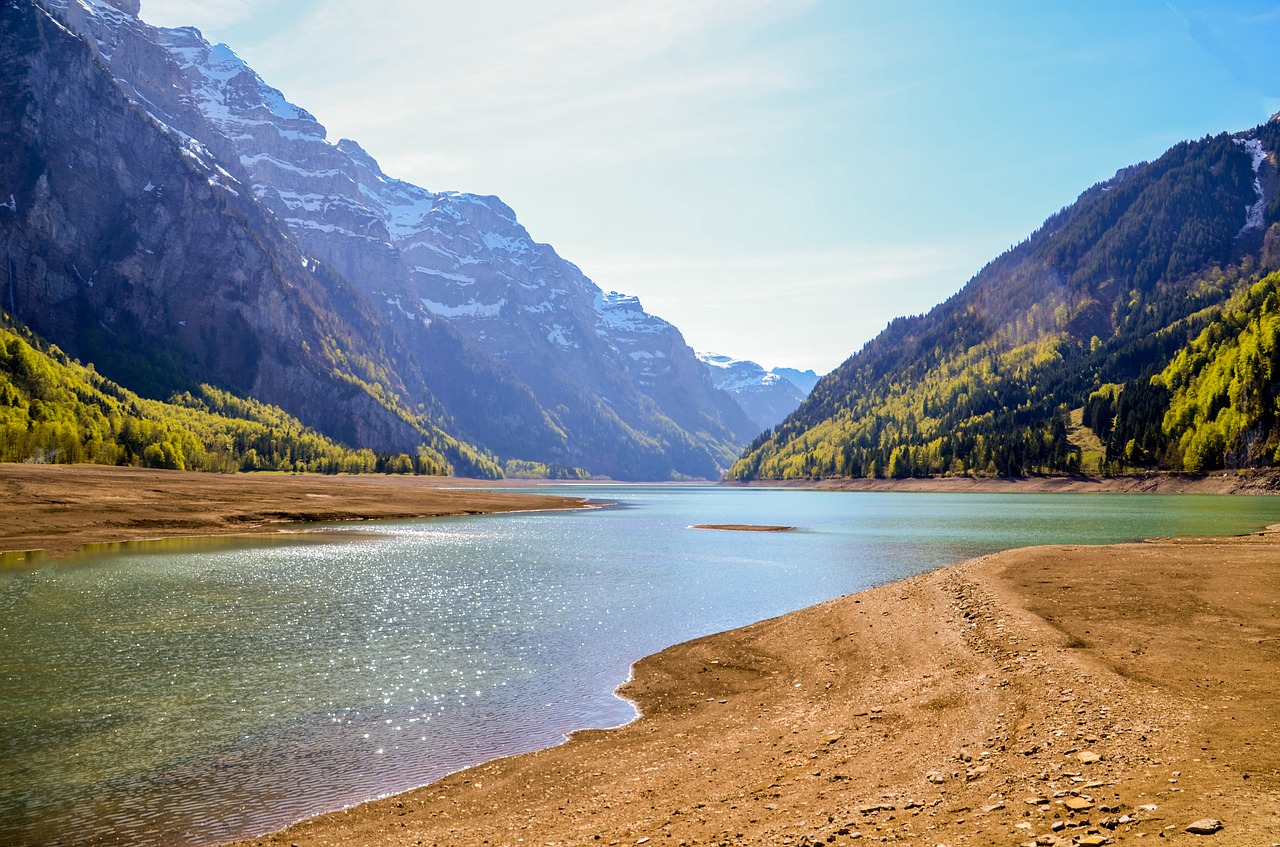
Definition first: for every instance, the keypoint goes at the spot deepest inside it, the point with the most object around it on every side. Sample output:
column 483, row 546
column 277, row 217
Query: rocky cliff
column 126, row 243
column 464, row 314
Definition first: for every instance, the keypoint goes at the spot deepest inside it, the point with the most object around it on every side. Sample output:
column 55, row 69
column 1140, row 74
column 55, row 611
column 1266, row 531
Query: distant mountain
column 804, row 380
column 443, row 310
column 1135, row 329
column 766, row 396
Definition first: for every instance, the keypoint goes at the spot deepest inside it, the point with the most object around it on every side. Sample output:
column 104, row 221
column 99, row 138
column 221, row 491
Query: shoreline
column 1052, row 695
column 52, row 511
column 1257, row 482
column 926, row 711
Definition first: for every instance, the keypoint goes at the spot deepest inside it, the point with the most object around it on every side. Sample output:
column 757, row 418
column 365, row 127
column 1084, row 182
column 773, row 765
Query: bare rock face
column 131, row 7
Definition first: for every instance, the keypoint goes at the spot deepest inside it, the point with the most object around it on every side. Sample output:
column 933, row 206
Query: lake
column 195, row 692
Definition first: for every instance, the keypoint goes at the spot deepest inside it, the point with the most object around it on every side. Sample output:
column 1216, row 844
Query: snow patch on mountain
column 738, row 375
column 623, row 312
column 1255, row 215
column 766, row 396
column 470, row 310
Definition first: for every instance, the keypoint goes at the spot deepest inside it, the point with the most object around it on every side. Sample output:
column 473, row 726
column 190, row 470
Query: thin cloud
column 203, row 14
column 1227, row 57
column 539, row 83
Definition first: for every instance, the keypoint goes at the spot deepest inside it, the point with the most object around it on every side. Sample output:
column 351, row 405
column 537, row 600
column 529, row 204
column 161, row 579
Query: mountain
column 53, row 409
column 476, row 333
column 804, row 380
column 1135, row 329
column 127, row 244
column 766, row 396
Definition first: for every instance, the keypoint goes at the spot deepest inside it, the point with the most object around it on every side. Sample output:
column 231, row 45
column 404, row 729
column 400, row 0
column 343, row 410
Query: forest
column 1142, row 317
column 55, row 410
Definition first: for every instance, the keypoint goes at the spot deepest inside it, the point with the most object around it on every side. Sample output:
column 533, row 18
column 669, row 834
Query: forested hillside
column 53, row 409
column 1135, row 329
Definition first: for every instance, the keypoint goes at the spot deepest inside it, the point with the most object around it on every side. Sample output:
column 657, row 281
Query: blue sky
column 778, row 179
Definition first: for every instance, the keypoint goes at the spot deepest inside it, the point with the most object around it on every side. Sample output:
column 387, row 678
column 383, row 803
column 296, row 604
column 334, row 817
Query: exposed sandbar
column 60, row 508
column 979, row 704
column 743, row 527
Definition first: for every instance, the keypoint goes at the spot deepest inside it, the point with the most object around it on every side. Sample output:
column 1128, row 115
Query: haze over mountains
column 176, row 221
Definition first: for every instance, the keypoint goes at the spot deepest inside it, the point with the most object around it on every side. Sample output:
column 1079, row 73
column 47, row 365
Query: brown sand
column 1054, row 695
column 60, row 508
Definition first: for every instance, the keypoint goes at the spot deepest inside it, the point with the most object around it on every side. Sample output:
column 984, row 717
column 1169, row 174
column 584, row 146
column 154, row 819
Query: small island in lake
column 743, row 527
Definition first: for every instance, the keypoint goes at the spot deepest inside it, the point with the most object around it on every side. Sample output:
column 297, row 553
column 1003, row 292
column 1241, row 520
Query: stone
column 1077, row 804
column 1092, row 841
column 1088, row 757
column 1205, row 826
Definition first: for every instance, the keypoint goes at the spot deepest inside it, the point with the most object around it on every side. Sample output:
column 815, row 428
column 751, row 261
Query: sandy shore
column 1054, row 695
column 60, row 508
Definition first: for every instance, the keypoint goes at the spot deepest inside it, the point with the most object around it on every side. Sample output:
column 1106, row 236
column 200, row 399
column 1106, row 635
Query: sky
column 778, row 178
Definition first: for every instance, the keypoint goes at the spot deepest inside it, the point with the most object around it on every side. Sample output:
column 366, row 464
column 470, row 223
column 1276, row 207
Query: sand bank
column 60, row 508
column 743, row 527
column 1054, row 695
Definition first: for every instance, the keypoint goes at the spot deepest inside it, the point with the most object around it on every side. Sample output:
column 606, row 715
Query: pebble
column 1077, row 804
column 1207, row 826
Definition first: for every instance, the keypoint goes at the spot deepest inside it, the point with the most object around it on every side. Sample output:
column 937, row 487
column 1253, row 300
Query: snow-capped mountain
column 767, row 396
column 804, row 380
column 576, row 375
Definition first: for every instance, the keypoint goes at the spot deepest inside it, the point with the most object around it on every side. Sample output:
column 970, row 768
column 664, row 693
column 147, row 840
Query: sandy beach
column 1049, row 696
column 58, row 509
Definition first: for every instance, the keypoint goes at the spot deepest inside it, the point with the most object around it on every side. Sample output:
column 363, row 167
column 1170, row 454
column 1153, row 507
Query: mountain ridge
column 996, row 380
column 463, row 320
column 767, row 396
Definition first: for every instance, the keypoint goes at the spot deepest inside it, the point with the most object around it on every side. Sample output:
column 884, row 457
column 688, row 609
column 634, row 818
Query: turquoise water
column 194, row 694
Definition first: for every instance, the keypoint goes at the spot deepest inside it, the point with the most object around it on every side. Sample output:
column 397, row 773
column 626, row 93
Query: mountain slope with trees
column 1132, row 313
column 54, row 409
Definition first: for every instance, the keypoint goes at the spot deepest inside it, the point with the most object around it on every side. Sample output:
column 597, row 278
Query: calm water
column 197, row 693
